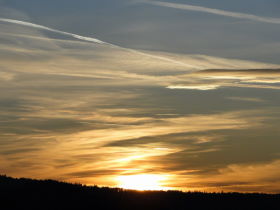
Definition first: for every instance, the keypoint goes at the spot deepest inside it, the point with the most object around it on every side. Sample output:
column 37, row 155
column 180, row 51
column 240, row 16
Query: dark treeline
column 48, row 194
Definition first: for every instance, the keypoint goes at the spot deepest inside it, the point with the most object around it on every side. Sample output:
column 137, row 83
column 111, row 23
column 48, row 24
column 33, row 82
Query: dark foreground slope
column 48, row 194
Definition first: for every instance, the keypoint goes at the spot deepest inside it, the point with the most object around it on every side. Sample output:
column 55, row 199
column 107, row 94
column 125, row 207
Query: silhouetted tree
column 49, row 194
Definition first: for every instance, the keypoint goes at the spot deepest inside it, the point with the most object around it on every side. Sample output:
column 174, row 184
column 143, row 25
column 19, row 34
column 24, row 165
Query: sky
column 166, row 94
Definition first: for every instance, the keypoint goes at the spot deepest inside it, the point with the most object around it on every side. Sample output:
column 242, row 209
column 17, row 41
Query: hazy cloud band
column 90, row 39
column 215, row 11
column 190, row 67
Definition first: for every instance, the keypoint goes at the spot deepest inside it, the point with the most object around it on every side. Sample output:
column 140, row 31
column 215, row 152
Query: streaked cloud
column 6, row 76
column 247, row 99
column 215, row 11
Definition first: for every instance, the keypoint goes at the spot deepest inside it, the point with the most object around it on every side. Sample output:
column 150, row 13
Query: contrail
column 89, row 39
column 215, row 11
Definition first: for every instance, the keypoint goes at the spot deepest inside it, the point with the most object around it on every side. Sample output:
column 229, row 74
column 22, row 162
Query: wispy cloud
column 216, row 11
column 214, row 79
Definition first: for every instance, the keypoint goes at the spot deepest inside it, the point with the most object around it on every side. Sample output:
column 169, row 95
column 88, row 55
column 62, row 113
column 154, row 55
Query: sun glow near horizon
column 142, row 182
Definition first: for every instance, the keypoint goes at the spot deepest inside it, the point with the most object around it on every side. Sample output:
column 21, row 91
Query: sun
column 142, row 182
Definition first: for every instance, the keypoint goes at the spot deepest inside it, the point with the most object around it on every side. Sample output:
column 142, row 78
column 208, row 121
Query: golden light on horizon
column 142, row 182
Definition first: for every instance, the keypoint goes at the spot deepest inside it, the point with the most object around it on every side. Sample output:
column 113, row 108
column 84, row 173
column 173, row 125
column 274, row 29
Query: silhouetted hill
column 48, row 194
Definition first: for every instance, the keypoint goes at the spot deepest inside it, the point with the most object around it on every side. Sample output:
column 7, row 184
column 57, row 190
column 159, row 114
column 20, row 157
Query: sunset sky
column 142, row 94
